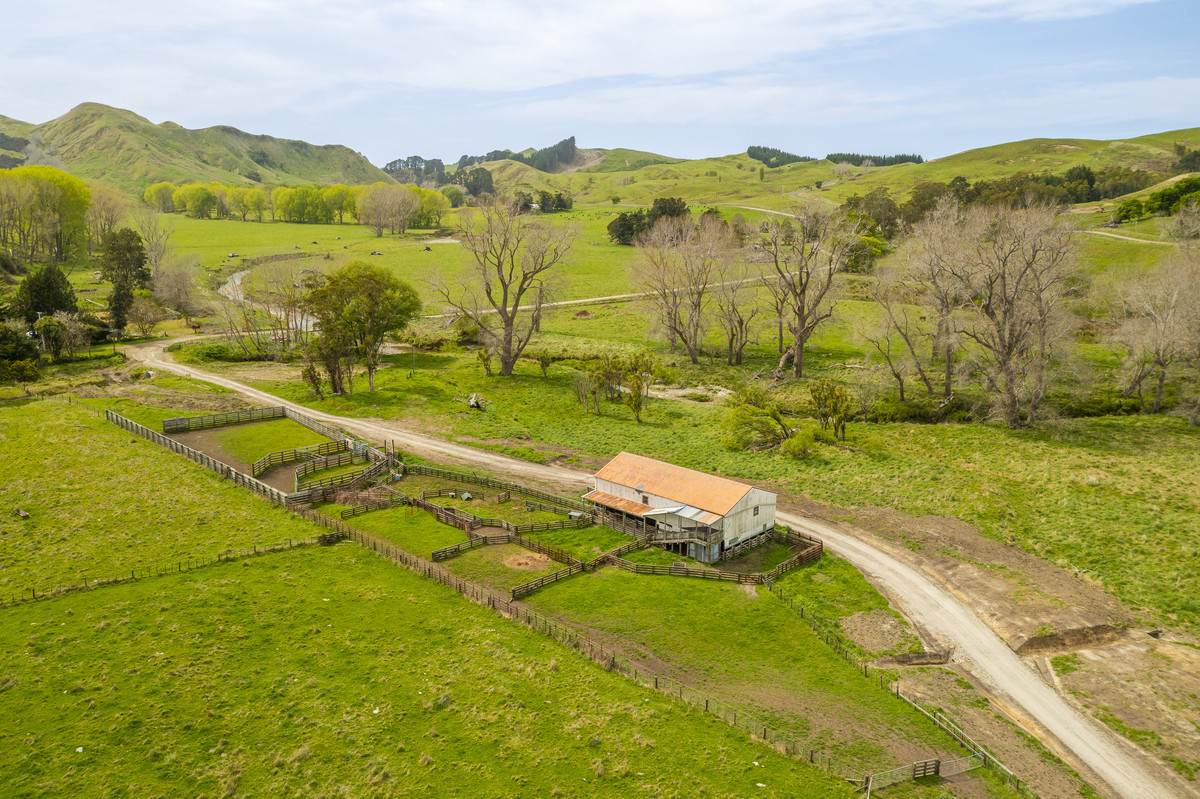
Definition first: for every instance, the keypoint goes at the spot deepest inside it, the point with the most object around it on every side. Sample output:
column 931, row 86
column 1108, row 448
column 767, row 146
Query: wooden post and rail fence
column 511, row 608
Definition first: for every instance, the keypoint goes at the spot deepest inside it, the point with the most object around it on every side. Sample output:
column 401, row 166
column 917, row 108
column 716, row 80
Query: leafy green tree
column 754, row 420
column 627, row 226
column 15, row 346
column 196, row 199
column 123, row 263
column 1130, row 210
column 42, row 293
column 454, row 195
column 356, row 307
column 339, row 199
column 833, row 406
column 45, row 213
column 160, row 196
column 52, row 334
column 666, row 206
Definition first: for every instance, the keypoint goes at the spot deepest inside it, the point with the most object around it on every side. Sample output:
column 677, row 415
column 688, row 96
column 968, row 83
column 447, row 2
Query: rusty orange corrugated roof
column 610, row 501
column 676, row 483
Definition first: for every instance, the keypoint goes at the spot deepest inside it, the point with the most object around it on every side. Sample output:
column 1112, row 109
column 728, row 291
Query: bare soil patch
column 874, row 630
column 583, row 160
column 527, row 561
column 206, row 441
column 987, row 723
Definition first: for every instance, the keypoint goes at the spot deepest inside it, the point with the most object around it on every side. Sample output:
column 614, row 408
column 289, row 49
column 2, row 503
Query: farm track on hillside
column 1115, row 764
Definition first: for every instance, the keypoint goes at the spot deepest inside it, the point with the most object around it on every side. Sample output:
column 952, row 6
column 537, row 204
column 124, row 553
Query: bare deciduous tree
column 900, row 334
column 676, row 267
column 1160, row 324
column 156, row 230
column 1017, row 266
column 736, row 293
column 105, row 210
column 806, row 255
column 174, row 285
column 515, row 258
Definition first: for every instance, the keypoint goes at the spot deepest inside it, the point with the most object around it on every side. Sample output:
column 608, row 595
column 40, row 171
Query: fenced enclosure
column 510, row 607
column 346, row 480
column 378, row 504
column 297, row 454
column 221, row 468
column 462, row 477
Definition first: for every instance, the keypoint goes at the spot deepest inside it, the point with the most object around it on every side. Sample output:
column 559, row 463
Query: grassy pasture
column 332, row 672
column 92, row 513
column 689, row 624
column 249, row 442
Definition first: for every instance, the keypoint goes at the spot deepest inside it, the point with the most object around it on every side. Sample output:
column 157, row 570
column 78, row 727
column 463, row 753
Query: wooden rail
column 528, row 588
column 348, row 479
column 461, row 477
column 223, row 469
column 687, row 571
column 379, row 504
column 299, row 453
column 180, row 424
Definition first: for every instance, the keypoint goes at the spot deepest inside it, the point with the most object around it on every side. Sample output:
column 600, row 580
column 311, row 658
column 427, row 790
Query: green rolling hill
column 118, row 147
column 110, row 145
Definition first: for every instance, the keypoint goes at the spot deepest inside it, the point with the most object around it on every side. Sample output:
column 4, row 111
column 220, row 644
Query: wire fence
column 176, row 566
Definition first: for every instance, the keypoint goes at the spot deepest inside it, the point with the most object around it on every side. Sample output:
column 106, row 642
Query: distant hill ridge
column 118, row 147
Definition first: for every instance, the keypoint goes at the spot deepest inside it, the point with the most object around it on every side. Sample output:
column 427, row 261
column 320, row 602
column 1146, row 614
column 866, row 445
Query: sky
column 684, row 78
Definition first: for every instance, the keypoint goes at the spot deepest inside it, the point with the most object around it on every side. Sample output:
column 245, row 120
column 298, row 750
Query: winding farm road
column 1117, row 766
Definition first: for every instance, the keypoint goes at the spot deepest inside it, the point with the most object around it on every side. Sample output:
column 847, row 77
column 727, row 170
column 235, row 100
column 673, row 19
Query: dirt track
column 1115, row 766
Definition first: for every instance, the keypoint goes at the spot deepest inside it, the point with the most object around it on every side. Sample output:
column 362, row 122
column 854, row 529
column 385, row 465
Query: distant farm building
column 686, row 511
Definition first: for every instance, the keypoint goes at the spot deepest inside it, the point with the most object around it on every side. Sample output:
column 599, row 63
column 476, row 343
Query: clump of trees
column 629, row 225
column 43, row 214
column 858, row 159
column 353, row 308
column 773, row 158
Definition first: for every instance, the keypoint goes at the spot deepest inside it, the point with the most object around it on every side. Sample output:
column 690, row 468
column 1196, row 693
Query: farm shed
column 689, row 512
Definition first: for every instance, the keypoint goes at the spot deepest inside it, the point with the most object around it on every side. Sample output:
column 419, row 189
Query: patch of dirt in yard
column 206, row 441
column 874, row 630
column 749, row 590
column 441, row 241
column 527, row 561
